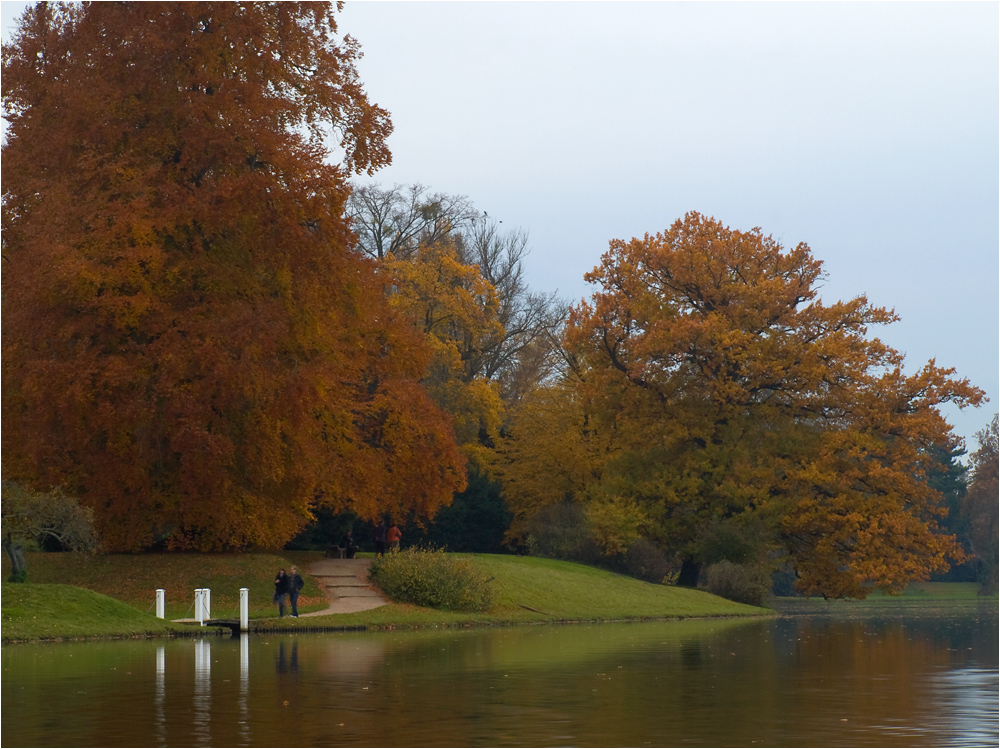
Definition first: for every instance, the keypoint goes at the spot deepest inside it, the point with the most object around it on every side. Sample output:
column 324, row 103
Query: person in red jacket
column 392, row 537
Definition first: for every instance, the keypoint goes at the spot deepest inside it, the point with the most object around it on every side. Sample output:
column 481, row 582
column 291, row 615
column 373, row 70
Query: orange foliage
column 733, row 392
column 189, row 345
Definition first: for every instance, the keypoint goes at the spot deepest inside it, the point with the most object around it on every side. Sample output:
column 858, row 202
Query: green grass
column 134, row 578
column 535, row 590
column 530, row 590
column 33, row 611
column 923, row 596
column 934, row 591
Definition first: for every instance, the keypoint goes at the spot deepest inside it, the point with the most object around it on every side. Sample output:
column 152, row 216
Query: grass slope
column 134, row 578
column 534, row 590
column 32, row 611
column 530, row 590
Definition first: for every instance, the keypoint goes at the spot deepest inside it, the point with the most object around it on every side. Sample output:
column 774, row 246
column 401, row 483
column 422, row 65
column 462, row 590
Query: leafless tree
column 530, row 319
column 401, row 219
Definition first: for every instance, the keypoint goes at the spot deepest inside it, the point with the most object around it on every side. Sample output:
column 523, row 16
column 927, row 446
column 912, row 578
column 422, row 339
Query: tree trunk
column 18, row 567
column 690, row 571
column 988, row 582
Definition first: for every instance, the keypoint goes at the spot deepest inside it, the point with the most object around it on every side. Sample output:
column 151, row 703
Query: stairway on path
column 345, row 582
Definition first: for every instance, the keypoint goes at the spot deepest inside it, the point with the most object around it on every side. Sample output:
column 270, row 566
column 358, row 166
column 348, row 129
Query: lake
column 890, row 678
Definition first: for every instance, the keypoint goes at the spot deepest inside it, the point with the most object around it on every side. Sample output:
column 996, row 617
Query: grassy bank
column 535, row 590
column 64, row 611
column 531, row 590
column 948, row 597
column 134, row 578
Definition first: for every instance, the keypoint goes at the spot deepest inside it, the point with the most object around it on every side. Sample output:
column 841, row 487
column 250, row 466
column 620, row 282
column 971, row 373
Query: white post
column 198, row 608
column 206, row 600
column 159, row 602
column 244, row 609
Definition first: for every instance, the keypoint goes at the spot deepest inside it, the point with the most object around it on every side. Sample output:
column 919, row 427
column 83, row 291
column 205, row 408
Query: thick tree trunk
column 988, row 582
column 18, row 567
column 690, row 571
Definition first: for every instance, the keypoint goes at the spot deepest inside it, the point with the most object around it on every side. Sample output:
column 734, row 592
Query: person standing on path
column 348, row 545
column 295, row 584
column 392, row 536
column 281, row 590
column 380, row 538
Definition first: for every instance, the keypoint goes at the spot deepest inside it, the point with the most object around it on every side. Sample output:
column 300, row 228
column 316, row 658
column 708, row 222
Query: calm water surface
column 918, row 680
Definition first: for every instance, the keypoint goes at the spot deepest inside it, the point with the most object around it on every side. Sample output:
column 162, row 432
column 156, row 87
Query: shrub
column 737, row 582
column 562, row 531
column 646, row 561
column 427, row 577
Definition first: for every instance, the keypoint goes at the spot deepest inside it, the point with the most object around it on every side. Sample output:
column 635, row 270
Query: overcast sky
column 870, row 131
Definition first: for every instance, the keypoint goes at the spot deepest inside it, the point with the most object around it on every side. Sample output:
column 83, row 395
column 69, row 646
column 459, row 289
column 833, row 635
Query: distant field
column 925, row 596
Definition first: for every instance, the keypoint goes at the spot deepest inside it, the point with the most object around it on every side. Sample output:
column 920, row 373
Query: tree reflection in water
column 899, row 681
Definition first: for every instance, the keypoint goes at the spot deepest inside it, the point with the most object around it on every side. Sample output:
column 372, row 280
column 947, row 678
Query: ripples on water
column 914, row 681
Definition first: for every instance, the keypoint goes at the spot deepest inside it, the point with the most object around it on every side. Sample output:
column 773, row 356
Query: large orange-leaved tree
column 189, row 343
column 749, row 421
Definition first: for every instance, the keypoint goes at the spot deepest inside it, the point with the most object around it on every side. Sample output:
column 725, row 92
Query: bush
column 737, row 582
column 432, row 578
column 562, row 531
column 646, row 561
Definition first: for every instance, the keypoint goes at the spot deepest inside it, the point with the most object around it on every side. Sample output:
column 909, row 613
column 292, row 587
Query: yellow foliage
column 456, row 308
column 615, row 523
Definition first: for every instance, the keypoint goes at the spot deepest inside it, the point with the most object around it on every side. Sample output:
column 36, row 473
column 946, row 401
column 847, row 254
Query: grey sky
column 869, row 131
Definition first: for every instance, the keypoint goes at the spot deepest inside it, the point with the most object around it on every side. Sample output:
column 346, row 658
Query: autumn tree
column 980, row 508
column 190, row 345
column 31, row 517
column 748, row 419
column 412, row 228
column 455, row 308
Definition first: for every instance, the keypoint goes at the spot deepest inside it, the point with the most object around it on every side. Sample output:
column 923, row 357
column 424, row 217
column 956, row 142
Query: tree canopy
column 190, row 345
column 741, row 418
column 980, row 507
column 37, row 517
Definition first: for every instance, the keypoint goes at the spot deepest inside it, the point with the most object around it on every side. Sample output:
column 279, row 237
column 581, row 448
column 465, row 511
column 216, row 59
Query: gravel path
column 345, row 582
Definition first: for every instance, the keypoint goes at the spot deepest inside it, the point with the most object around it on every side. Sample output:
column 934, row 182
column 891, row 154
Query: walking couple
column 290, row 585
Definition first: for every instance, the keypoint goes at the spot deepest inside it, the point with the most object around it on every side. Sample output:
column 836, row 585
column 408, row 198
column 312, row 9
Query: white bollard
column 198, row 607
column 160, row 593
column 206, row 601
column 244, row 609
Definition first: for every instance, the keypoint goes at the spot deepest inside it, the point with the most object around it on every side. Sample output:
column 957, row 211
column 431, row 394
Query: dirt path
column 346, row 586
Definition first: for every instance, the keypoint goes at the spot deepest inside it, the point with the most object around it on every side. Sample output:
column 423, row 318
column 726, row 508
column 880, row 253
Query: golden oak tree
column 455, row 308
column 737, row 399
column 189, row 343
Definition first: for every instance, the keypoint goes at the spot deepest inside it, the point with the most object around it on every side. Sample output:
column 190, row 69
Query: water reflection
column 811, row 682
column 202, row 703
column 159, row 716
column 243, row 727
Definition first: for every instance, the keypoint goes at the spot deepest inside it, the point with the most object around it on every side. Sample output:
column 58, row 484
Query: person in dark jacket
column 295, row 584
column 350, row 548
column 280, row 590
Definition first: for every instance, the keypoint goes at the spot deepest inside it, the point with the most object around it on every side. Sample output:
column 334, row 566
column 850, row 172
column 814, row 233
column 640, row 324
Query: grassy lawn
column 534, row 590
column 134, row 578
column 923, row 596
column 530, row 590
column 32, row 611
